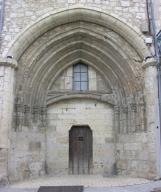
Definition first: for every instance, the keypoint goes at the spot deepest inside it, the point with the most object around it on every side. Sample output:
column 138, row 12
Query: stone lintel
column 9, row 62
column 53, row 98
column 149, row 62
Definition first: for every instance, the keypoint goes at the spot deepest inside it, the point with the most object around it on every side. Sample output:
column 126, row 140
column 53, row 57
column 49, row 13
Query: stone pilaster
column 151, row 93
column 133, row 117
column 151, row 100
column 117, row 119
column 7, row 70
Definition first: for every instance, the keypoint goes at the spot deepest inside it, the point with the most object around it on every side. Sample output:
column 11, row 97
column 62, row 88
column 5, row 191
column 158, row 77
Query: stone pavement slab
column 133, row 188
column 94, row 185
column 9, row 189
column 85, row 180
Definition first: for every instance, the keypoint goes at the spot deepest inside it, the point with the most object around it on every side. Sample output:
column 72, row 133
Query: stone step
column 61, row 189
column 156, row 190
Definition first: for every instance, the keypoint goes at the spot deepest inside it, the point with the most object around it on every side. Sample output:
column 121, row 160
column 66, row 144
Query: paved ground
column 91, row 184
column 85, row 180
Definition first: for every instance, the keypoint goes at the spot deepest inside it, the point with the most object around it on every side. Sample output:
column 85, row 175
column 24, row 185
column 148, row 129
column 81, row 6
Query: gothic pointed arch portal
column 46, row 106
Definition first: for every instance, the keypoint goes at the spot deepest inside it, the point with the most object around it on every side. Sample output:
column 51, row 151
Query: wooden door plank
column 80, row 150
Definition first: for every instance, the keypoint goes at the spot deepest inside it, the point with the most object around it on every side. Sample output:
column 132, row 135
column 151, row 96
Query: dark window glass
column 77, row 86
column 83, row 68
column 77, row 77
column 84, row 86
column 77, row 68
column 84, row 77
column 80, row 77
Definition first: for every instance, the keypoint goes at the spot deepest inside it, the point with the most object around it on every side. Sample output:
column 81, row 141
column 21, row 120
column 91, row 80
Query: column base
column 4, row 181
column 3, row 167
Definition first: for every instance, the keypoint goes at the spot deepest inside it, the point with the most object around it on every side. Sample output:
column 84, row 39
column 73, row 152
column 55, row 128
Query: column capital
column 116, row 109
column 149, row 62
column 8, row 62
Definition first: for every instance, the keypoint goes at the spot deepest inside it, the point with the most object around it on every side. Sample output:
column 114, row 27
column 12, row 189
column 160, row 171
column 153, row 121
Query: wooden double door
column 80, row 150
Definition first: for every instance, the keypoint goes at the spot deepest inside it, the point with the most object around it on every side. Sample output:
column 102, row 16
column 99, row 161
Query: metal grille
column 61, row 189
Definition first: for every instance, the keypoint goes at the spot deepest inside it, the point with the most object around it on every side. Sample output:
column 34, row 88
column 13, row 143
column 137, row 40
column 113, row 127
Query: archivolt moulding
column 55, row 19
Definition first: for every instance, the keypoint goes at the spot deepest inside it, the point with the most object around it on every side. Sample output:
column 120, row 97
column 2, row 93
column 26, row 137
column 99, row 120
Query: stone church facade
column 78, row 89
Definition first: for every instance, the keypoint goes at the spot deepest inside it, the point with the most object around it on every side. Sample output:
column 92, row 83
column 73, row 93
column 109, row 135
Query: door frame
column 91, row 158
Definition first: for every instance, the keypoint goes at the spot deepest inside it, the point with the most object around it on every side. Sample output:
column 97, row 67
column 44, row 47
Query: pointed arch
column 55, row 19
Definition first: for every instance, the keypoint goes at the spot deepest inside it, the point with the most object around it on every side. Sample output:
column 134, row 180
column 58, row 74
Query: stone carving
column 130, row 118
column 28, row 116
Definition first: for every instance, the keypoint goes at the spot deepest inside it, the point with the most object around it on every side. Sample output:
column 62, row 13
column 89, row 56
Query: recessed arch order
column 83, row 34
column 54, row 19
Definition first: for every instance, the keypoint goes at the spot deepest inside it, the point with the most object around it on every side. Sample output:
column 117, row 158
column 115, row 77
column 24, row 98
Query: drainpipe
column 2, row 15
column 152, row 29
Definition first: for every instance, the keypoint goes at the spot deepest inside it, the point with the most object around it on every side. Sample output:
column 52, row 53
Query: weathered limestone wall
column 137, row 152
column 136, row 156
column 152, row 111
column 62, row 116
column 20, row 14
column 6, row 110
column 27, row 153
column 31, row 150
